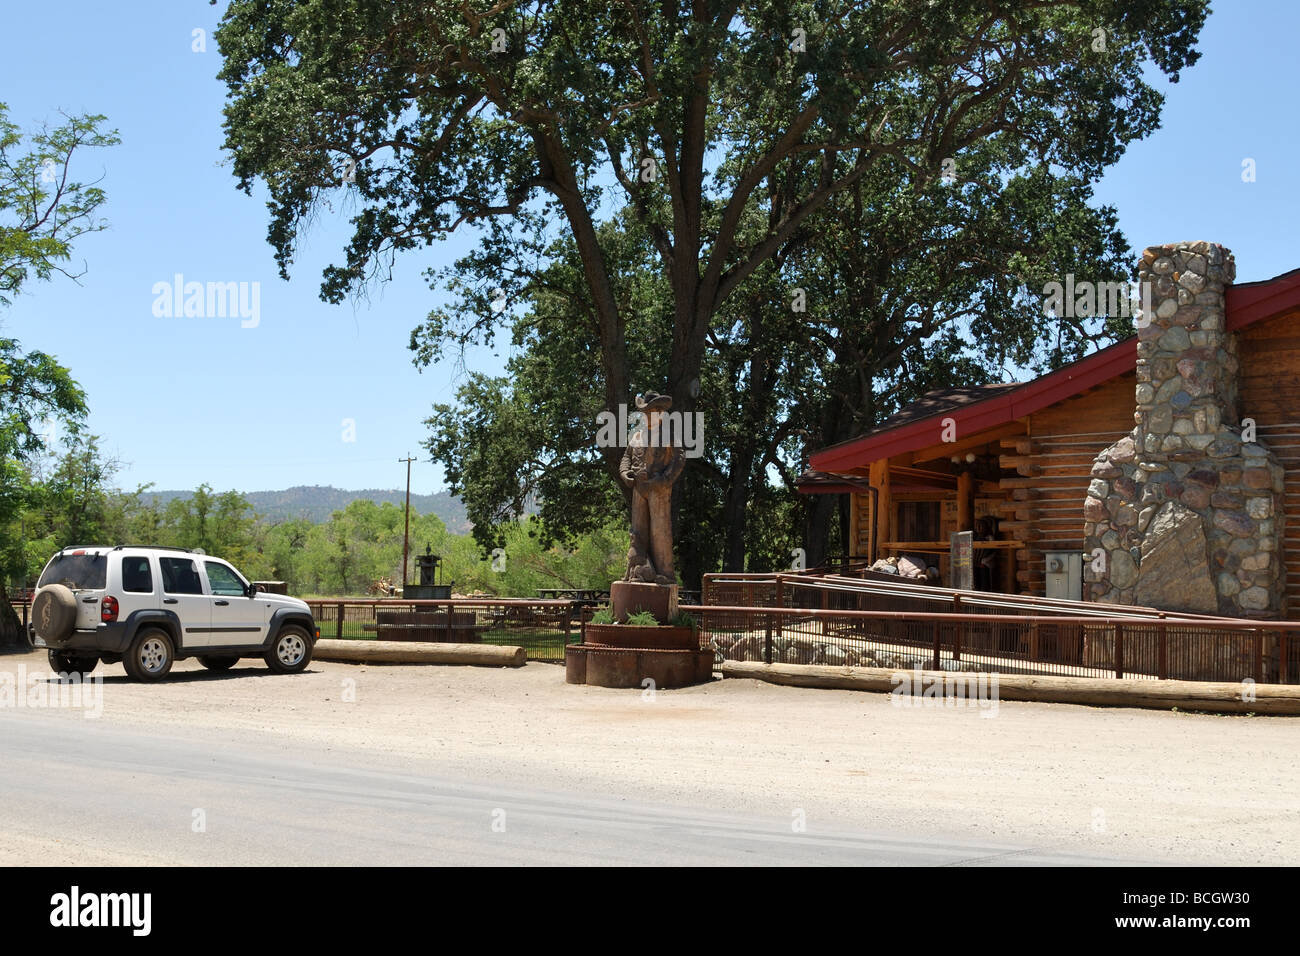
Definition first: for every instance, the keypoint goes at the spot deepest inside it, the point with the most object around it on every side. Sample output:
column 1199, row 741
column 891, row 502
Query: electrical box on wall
column 1065, row 575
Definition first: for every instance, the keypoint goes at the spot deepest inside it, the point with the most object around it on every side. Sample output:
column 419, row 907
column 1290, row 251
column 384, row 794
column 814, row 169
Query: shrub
column 642, row 619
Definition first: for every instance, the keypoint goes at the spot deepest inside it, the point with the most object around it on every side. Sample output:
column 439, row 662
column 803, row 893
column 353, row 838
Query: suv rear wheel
column 62, row 662
column 151, row 655
column 218, row 663
column 290, row 651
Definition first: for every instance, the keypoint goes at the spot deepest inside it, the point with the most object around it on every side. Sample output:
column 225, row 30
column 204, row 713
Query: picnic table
column 576, row 595
column 427, row 626
column 525, row 615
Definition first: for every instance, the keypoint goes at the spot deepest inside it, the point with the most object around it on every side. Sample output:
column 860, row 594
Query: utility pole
column 406, row 534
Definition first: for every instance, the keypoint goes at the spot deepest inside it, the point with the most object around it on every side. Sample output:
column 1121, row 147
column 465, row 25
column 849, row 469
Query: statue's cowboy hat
column 653, row 402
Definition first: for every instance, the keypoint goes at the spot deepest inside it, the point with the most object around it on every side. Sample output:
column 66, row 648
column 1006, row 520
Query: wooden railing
column 1064, row 645
column 1056, row 637
column 541, row 627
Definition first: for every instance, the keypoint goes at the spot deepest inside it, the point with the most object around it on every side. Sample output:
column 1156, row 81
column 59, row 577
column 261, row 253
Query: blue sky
column 182, row 401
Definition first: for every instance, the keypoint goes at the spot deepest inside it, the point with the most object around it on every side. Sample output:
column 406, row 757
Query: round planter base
column 604, row 666
column 656, row 636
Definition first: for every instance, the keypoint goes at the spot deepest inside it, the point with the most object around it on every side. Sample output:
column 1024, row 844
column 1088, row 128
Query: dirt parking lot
column 1140, row 784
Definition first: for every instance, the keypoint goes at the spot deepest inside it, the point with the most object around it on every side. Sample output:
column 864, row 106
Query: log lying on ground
column 1218, row 697
column 419, row 652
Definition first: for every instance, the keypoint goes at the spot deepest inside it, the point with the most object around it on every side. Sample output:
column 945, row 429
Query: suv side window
column 137, row 576
column 223, row 581
column 180, row 576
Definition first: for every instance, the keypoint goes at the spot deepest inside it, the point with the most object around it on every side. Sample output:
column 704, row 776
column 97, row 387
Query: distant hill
column 317, row 502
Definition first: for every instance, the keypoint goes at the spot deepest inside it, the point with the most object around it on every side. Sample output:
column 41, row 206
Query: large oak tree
column 724, row 130
column 519, row 117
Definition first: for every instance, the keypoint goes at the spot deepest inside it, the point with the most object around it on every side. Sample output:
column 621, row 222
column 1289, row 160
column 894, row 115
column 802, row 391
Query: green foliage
column 603, row 616
column 643, row 619
column 34, row 389
column 43, row 207
column 683, row 619
column 220, row 524
column 71, row 500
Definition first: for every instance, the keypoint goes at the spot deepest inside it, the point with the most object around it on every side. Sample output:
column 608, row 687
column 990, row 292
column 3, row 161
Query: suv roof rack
column 158, row 547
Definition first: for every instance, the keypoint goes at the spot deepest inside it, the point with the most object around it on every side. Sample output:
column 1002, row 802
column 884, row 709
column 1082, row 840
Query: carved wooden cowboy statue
column 649, row 467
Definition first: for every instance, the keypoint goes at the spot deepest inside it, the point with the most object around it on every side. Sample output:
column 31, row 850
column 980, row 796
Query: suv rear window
column 77, row 571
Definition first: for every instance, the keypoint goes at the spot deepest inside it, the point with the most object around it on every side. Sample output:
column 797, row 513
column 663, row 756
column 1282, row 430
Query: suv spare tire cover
column 54, row 612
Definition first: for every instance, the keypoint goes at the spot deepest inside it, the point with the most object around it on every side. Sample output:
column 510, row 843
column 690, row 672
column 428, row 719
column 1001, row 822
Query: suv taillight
column 108, row 609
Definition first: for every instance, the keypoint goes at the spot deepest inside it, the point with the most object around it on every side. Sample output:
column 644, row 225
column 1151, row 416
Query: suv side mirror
column 252, row 590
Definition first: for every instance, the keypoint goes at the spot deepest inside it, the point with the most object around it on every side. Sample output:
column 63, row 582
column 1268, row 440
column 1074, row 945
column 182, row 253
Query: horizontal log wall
column 1045, row 509
column 1269, row 353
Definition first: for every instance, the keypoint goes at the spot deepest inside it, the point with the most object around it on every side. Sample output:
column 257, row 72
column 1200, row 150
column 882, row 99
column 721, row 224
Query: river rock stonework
column 1182, row 514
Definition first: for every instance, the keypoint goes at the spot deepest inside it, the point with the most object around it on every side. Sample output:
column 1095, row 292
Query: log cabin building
column 1163, row 470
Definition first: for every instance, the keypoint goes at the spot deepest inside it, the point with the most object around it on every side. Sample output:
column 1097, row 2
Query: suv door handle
column 221, row 603
column 171, row 601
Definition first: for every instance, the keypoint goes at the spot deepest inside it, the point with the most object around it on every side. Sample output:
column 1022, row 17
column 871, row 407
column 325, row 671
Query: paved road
column 104, row 793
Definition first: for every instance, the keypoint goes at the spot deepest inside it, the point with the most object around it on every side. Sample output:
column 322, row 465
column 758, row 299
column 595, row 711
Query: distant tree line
column 70, row 499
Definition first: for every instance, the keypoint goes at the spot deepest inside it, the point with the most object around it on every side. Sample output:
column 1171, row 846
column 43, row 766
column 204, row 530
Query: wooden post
column 406, row 534
column 937, row 642
column 1162, row 649
column 1283, row 676
column 339, row 624
column 451, row 638
column 1119, row 651
column 767, row 639
column 1259, row 655
column 884, row 506
column 961, row 628
column 965, row 502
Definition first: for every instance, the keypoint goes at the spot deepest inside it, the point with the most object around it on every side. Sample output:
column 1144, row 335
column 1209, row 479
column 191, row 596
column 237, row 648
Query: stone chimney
column 1181, row 514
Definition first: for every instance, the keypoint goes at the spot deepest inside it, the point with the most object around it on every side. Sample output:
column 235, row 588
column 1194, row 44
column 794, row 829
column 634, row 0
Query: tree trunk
column 11, row 626
column 735, row 508
column 817, row 528
column 733, row 517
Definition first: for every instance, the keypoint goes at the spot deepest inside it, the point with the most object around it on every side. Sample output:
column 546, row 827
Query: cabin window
column 918, row 521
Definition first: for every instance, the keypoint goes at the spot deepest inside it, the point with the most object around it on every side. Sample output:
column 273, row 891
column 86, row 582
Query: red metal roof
column 1246, row 304
column 1251, row 301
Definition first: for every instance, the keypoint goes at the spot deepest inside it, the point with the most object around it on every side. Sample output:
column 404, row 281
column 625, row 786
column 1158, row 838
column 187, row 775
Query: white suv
column 149, row 607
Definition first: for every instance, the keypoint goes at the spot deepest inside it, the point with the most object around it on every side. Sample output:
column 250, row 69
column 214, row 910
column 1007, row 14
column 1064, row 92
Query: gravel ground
column 1124, row 783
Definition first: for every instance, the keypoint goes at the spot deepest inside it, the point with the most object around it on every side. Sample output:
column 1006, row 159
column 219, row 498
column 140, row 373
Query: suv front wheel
column 290, row 651
column 151, row 655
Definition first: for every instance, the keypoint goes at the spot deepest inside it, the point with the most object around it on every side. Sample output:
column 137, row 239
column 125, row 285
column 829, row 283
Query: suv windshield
column 77, row 571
